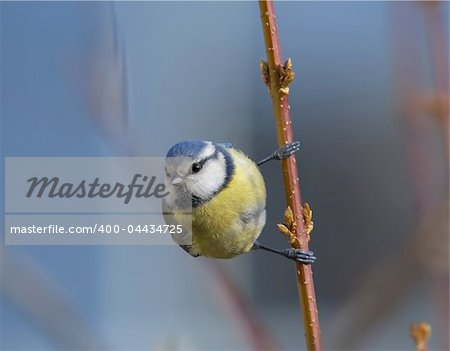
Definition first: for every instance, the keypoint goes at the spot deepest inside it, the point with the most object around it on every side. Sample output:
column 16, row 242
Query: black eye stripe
column 215, row 155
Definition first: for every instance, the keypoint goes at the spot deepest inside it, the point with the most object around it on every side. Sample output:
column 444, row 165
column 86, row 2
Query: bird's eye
column 196, row 167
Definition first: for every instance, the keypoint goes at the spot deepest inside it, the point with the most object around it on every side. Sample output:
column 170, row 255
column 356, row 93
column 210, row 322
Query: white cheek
column 209, row 180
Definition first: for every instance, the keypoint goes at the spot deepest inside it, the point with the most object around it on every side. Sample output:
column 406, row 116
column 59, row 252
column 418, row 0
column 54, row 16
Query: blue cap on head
column 188, row 148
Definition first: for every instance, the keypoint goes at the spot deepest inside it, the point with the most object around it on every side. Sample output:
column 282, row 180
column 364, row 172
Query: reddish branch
column 277, row 76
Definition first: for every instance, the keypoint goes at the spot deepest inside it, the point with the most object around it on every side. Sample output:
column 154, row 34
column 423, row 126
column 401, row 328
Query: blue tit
column 226, row 193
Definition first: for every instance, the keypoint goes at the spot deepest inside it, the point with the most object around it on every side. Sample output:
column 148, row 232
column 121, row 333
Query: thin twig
column 277, row 77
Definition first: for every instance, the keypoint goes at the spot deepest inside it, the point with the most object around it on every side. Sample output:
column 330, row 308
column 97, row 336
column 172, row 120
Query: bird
column 218, row 196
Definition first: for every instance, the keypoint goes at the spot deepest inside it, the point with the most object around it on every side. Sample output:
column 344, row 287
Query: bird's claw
column 300, row 256
column 287, row 150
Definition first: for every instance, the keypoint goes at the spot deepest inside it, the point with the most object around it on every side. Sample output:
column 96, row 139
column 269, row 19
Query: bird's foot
column 286, row 150
column 282, row 153
column 299, row 256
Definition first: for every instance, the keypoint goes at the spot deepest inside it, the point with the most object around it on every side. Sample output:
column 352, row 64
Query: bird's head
column 197, row 170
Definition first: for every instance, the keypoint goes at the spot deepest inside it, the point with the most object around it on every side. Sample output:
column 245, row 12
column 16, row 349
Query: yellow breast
column 230, row 222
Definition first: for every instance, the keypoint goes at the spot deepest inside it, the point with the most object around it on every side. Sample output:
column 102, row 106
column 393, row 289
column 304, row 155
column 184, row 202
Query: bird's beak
column 176, row 181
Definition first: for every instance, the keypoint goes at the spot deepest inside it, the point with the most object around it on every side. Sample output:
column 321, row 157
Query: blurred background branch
column 424, row 258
